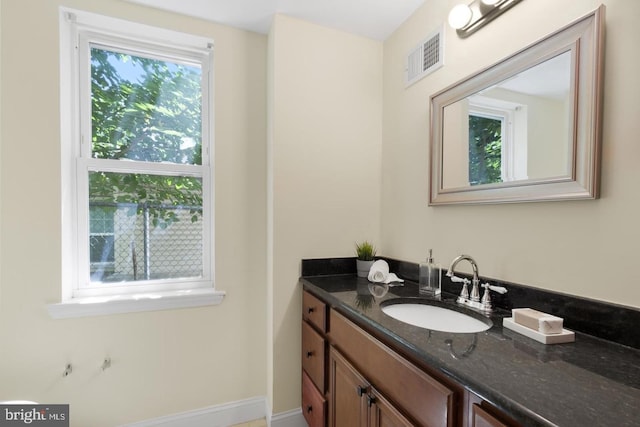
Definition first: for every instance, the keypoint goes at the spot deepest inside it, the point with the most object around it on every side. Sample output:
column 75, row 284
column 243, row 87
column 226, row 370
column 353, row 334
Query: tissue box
column 537, row 320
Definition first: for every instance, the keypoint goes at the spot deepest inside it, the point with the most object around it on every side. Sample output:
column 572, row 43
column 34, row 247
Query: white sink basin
column 435, row 318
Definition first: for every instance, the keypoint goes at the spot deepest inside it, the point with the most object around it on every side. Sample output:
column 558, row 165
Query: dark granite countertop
column 591, row 382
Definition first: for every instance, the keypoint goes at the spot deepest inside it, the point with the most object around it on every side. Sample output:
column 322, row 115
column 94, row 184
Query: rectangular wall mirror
column 525, row 129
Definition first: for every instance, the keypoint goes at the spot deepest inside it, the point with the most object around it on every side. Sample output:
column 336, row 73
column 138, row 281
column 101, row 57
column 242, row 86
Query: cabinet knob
column 370, row 400
column 309, row 354
column 311, row 310
column 309, row 409
column 361, row 390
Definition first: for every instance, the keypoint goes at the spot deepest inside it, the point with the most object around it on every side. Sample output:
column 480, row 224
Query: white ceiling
column 375, row 19
column 551, row 79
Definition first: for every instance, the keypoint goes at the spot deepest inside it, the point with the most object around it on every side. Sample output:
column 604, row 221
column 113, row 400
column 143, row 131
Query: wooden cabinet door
column 384, row 414
column 347, row 388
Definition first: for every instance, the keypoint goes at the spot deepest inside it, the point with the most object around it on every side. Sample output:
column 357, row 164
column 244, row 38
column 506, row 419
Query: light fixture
column 460, row 16
column 467, row 19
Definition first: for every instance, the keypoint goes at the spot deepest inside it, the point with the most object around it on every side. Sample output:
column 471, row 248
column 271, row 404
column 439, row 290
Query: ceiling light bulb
column 460, row 16
column 490, row 2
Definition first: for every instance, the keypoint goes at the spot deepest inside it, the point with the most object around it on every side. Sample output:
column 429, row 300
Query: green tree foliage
column 146, row 110
column 485, row 150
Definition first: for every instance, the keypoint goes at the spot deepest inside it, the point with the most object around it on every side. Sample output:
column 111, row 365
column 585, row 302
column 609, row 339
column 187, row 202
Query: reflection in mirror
column 525, row 129
column 515, row 130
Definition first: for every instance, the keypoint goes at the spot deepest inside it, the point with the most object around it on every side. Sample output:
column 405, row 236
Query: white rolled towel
column 379, row 273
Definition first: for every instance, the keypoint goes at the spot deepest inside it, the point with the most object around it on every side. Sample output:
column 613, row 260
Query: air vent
column 425, row 58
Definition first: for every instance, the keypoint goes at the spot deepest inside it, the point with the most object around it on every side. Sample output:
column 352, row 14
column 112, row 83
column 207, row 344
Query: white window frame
column 79, row 30
column 513, row 162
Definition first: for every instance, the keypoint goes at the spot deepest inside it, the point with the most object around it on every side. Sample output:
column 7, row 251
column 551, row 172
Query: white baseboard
column 291, row 418
column 224, row 415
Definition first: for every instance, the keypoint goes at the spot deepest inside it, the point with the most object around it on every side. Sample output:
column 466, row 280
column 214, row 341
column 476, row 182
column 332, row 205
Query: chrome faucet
column 472, row 299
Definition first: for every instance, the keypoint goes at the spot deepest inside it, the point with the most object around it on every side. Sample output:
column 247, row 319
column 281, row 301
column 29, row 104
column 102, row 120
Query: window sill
column 118, row 304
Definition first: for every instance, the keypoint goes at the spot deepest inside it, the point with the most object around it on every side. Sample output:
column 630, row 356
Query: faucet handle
column 457, row 279
column 486, row 299
column 498, row 289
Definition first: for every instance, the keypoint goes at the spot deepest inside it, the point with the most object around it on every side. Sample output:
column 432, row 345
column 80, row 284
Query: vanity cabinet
column 352, row 379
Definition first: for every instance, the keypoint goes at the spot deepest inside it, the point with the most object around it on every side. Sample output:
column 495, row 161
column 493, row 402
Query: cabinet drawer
column 313, row 355
column 425, row 399
column 314, row 311
column 480, row 413
column 313, row 404
column 481, row 418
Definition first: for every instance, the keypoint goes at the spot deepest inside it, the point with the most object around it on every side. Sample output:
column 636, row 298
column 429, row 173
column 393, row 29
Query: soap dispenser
column 430, row 276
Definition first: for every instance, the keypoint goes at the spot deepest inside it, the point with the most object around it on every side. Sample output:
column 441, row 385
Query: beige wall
column 325, row 146
column 164, row 362
column 585, row 248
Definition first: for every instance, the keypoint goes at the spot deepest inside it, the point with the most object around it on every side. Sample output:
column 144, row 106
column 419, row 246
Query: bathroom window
column 497, row 141
column 485, row 148
column 137, row 149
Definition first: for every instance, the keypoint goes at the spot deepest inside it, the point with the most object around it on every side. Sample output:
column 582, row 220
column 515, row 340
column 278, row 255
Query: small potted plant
column 366, row 253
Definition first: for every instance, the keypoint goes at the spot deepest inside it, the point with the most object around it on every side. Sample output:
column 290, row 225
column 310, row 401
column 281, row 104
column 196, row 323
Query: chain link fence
column 126, row 246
